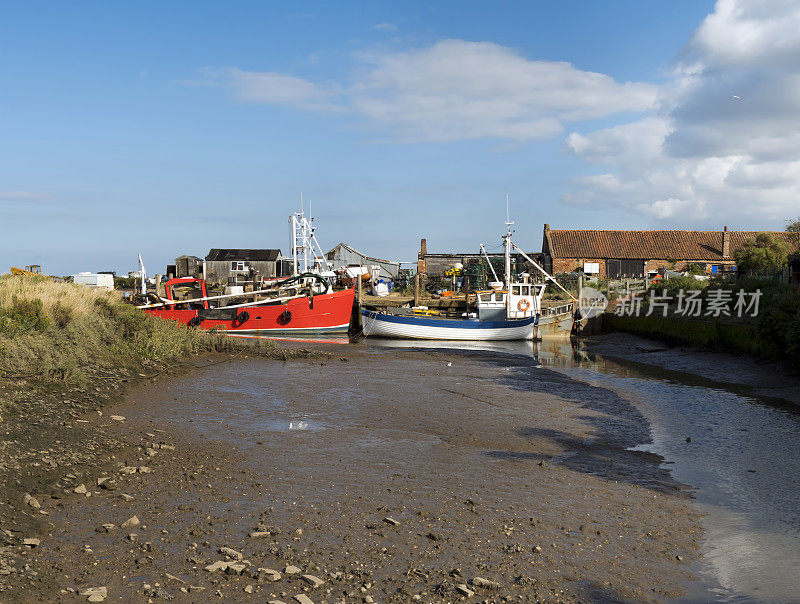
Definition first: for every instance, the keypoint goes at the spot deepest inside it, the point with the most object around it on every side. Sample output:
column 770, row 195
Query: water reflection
column 742, row 455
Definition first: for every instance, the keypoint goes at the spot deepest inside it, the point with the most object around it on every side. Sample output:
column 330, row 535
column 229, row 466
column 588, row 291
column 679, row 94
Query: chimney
column 726, row 243
column 423, row 251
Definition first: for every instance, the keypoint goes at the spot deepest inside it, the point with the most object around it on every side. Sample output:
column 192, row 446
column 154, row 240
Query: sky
column 173, row 128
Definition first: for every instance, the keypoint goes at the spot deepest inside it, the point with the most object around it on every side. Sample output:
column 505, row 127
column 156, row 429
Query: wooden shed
column 237, row 265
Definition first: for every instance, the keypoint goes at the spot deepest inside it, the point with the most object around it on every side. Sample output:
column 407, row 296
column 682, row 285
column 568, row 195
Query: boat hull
column 328, row 313
column 555, row 326
column 386, row 325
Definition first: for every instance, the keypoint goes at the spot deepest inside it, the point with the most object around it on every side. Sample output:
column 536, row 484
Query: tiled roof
column 661, row 245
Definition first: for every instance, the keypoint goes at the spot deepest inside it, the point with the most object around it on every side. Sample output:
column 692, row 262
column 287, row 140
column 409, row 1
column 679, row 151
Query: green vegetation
column 687, row 332
column 67, row 332
column 773, row 334
column 765, row 255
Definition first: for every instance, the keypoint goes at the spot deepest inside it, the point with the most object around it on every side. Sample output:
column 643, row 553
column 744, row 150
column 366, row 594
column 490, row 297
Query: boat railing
column 558, row 310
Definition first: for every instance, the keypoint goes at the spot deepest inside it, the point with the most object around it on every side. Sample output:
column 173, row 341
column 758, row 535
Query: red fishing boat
column 303, row 304
column 290, row 308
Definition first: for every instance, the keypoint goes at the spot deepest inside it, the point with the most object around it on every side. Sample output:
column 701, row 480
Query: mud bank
column 374, row 476
column 759, row 378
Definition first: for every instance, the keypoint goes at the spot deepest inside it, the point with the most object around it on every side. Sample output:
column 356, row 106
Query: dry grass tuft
column 62, row 331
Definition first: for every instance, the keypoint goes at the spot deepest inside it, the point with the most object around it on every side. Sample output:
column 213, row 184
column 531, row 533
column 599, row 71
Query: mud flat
column 376, row 475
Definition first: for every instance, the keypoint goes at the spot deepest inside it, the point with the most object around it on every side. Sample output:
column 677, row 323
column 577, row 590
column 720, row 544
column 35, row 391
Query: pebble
column 32, row 501
column 235, row 568
column 464, row 590
column 31, row 542
column 231, row 553
column 269, row 574
column 80, row 489
column 118, row 418
column 95, row 594
column 106, row 527
column 303, row 599
column 132, row 521
column 126, row 497
column 248, row 589
column 276, row 602
column 291, row 570
column 392, row 521
column 259, row 534
column 313, row 581
column 485, row 583
column 215, row 566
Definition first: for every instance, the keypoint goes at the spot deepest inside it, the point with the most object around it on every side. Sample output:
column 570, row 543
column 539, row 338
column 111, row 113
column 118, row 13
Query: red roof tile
column 647, row 245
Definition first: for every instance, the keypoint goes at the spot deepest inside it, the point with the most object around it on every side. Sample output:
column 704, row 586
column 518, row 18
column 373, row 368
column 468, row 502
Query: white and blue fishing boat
column 513, row 312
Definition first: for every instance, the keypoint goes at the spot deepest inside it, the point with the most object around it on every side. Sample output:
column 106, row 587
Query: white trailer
column 95, row 280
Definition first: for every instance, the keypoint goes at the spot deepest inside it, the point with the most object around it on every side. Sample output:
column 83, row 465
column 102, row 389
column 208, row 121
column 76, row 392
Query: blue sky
column 171, row 128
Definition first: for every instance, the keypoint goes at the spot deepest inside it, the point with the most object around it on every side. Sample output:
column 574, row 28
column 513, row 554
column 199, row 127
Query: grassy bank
column 65, row 332
column 687, row 332
column 772, row 334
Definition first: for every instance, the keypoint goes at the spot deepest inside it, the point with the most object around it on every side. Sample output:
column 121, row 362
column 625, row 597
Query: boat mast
column 507, row 246
column 304, row 242
column 143, row 275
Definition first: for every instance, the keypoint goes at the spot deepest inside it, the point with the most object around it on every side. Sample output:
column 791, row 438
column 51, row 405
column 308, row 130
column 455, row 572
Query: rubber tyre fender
column 194, row 322
column 242, row 317
column 286, row 316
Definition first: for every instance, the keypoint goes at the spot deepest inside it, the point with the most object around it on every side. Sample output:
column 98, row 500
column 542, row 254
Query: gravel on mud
column 457, row 477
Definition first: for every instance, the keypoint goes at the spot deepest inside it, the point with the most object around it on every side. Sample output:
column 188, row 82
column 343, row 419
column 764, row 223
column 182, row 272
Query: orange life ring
column 523, row 305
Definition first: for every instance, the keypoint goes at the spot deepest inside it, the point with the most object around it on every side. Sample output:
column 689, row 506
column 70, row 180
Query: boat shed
column 188, row 266
column 237, row 265
column 343, row 255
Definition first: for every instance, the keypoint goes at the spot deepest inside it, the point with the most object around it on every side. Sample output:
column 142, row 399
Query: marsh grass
column 62, row 331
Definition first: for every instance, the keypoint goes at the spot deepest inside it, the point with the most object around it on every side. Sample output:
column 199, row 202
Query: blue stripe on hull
column 421, row 328
column 457, row 323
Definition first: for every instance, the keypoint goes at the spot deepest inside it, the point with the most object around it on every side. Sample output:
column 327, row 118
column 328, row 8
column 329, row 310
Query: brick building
column 617, row 254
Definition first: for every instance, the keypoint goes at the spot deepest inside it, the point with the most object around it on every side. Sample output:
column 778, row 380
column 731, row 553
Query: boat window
column 486, row 297
column 525, row 290
column 515, row 290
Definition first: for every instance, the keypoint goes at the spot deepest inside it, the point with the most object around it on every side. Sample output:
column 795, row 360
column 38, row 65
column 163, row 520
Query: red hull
column 330, row 313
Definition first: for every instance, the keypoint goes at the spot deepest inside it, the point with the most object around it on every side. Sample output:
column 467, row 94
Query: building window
column 238, row 265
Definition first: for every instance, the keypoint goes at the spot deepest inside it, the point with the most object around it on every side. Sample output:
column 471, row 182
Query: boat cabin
column 189, row 288
column 523, row 300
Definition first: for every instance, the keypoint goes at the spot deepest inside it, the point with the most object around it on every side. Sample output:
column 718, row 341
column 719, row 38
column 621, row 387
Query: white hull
column 417, row 328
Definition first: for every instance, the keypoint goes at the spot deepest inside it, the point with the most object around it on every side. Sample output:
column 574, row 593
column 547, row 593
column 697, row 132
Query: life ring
column 286, row 316
column 194, row 322
column 523, row 305
column 242, row 317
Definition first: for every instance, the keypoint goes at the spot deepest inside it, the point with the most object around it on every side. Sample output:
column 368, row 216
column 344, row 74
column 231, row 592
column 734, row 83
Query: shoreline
column 738, row 372
column 201, row 476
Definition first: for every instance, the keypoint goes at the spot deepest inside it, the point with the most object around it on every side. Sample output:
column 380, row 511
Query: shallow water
column 740, row 453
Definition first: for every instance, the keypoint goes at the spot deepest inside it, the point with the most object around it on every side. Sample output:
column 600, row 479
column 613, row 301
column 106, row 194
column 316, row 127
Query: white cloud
column 274, row 88
column 703, row 154
column 462, row 90
column 384, row 26
column 453, row 90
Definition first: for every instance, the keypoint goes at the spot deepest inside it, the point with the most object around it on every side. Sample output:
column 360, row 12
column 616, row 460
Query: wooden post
column 416, row 289
column 580, row 285
column 358, row 288
column 159, row 286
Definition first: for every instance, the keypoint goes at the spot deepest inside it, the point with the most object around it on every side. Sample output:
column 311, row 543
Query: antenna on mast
column 507, row 245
